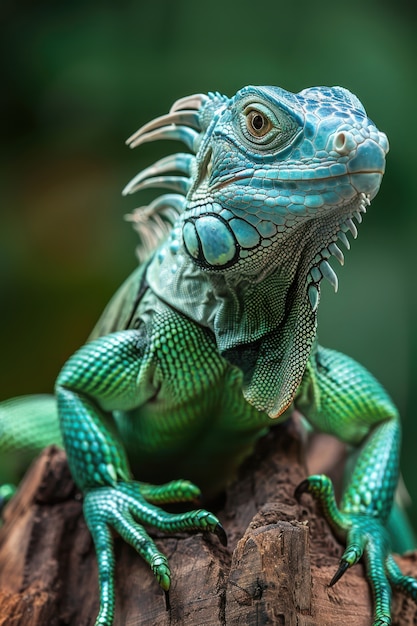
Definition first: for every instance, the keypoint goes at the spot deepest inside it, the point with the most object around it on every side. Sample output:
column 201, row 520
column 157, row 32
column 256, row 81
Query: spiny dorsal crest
column 185, row 122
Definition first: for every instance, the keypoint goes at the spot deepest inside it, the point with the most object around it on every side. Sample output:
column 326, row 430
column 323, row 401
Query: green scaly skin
column 213, row 338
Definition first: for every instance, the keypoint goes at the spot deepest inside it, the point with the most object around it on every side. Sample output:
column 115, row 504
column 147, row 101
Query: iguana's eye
column 263, row 127
column 257, row 123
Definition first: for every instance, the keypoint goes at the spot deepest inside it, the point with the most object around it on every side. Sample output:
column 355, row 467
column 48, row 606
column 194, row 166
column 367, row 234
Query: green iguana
column 212, row 340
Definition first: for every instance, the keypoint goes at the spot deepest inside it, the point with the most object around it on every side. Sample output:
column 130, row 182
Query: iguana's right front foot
column 125, row 507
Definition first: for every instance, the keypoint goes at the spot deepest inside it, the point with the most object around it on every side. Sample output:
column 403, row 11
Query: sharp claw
column 189, row 102
column 167, row 602
column 343, row 566
column 302, row 488
column 184, row 118
column 221, row 534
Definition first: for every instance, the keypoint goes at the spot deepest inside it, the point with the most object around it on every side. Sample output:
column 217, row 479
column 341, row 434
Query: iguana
column 212, row 339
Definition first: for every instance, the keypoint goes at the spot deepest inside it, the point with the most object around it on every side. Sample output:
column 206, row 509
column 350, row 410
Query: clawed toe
column 221, row 534
column 343, row 567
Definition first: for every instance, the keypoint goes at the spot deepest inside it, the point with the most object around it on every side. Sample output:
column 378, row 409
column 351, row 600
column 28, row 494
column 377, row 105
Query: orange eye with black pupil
column 257, row 124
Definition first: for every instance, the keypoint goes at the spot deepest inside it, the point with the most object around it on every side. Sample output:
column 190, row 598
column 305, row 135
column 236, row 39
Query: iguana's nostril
column 343, row 143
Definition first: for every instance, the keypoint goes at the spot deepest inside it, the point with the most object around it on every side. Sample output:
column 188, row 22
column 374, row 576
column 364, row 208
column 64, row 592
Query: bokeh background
column 78, row 77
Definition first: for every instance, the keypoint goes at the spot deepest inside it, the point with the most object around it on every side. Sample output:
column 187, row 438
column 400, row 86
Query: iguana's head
column 273, row 181
column 275, row 176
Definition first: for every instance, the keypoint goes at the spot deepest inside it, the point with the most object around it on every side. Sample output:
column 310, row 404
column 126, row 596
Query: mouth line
column 229, row 181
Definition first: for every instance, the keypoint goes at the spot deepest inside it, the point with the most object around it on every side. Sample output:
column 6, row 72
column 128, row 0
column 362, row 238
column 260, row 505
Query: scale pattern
column 213, row 337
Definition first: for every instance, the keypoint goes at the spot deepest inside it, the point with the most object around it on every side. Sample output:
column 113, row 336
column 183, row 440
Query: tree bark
column 276, row 569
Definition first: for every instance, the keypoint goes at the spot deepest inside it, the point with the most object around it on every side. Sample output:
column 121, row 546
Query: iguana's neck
column 265, row 323
column 239, row 308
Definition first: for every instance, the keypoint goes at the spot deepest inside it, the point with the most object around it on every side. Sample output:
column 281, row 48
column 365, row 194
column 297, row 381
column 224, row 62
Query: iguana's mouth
column 284, row 177
column 221, row 184
column 362, row 167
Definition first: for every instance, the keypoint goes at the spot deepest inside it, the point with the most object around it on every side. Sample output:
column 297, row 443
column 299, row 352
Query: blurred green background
column 78, row 77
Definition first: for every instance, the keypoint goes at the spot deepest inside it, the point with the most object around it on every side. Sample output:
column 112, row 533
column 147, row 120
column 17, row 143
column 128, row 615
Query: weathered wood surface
column 275, row 570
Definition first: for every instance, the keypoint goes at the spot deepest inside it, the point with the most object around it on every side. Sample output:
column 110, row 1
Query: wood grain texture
column 276, row 569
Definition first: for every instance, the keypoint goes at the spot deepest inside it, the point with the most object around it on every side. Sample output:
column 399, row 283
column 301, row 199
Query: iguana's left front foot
column 124, row 508
column 365, row 536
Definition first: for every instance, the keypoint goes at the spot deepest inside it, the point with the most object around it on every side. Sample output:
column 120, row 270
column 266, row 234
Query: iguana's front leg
column 112, row 373
column 340, row 397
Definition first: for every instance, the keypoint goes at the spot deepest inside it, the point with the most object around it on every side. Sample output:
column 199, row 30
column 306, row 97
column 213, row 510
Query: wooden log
column 276, row 569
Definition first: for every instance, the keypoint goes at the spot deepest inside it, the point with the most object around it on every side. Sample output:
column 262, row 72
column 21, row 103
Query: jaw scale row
column 321, row 267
